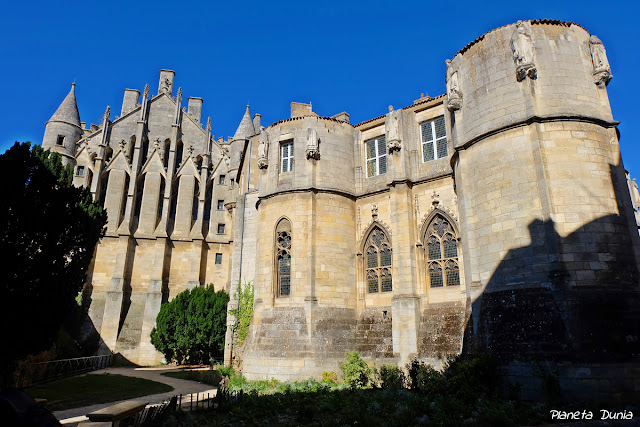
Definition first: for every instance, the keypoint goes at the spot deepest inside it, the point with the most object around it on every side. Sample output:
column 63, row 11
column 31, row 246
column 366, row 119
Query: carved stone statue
column 393, row 130
column 157, row 146
column 522, row 48
column 263, row 149
column 313, row 148
column 165, row 85
column 122, row 146
column 454, row 96
column 635, row 195
column 601, row 69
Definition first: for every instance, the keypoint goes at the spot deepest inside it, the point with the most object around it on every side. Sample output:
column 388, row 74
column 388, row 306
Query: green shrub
column 413, row 368
column 329, row 377
column 355, row 371
column 430, row 381
column 392, row 377
column 191, row 328
column 244, row 312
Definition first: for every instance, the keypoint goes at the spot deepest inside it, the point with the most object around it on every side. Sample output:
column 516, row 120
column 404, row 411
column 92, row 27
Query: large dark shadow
column 572, row 298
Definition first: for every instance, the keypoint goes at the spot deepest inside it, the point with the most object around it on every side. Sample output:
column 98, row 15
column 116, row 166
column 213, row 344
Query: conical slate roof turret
column 246, row 128
column 67, row 112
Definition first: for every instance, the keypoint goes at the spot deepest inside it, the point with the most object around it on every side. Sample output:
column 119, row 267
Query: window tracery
column 441, row 250
column 378, row 262
column 283, row 258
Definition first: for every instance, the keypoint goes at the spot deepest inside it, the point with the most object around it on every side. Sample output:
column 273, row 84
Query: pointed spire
column 107, row 113
column 246, row 127
column 145, row 95
column 67, row 112
column 179, row 98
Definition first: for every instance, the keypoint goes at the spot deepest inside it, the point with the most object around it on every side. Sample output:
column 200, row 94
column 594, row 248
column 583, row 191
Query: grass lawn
column 87, row 390
column 206, row 377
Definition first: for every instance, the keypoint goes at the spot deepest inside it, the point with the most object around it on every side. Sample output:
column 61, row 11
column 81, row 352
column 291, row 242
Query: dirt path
column 73, row 416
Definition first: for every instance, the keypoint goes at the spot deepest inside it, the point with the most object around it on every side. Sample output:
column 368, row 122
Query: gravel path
column 71, row 417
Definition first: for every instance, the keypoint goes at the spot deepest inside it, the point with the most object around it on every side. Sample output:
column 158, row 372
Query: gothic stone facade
column 498, row 212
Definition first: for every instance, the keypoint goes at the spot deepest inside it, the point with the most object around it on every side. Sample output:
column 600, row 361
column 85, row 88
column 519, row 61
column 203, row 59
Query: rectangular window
column 80, row 171
column 220, row 228
column 434, row 139
column 220, row 205
column 60, row 140
column 218, row 258
column 221, row 179
column 376, row 156
column 286, row 154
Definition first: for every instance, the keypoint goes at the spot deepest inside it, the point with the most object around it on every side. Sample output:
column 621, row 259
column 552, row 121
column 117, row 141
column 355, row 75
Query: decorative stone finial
column 522, row 48
column 208, row 125
column 179, row 97
column 145, row 94
column 107, row 113
column 454, row 96
column 374, row 212
column 601, row 69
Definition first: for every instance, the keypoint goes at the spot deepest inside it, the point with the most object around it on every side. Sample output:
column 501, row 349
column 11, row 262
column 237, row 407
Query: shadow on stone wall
column 573, row 299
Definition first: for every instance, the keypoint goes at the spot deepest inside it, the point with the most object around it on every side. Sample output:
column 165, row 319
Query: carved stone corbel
column 522, row 49
column 313, row 148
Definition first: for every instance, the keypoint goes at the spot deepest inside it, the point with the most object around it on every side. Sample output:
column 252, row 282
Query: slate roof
column 67, row 112
column 245, row 129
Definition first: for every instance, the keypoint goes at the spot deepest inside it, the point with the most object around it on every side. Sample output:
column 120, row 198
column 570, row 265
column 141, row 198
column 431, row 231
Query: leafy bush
column 244, row 312
column 329, row 377
column 430, row 381
column 413, row 368
column 392, row 377
column 355, row 371
column 191, row 328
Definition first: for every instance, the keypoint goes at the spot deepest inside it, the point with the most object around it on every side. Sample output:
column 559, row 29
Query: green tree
column 49, row 230
column 191, row 327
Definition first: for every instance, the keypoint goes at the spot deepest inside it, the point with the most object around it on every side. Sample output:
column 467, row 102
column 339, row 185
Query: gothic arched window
column 441, row 247
column 378, row 261
column 283, row 258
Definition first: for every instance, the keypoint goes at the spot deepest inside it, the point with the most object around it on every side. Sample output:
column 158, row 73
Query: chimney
column 130, row 101
column 195, row 108
column 256, row 122
column 166, row 82
column 299, row 109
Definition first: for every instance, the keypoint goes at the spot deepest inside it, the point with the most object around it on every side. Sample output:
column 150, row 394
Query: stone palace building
column 496, row 215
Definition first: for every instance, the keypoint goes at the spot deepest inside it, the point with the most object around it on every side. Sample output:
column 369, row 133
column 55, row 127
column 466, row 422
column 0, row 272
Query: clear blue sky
column 357, row 57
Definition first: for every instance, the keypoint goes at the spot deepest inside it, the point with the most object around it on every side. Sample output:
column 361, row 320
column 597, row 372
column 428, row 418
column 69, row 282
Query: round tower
column 305, row 308
column 540, row 181
column 63, row 129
